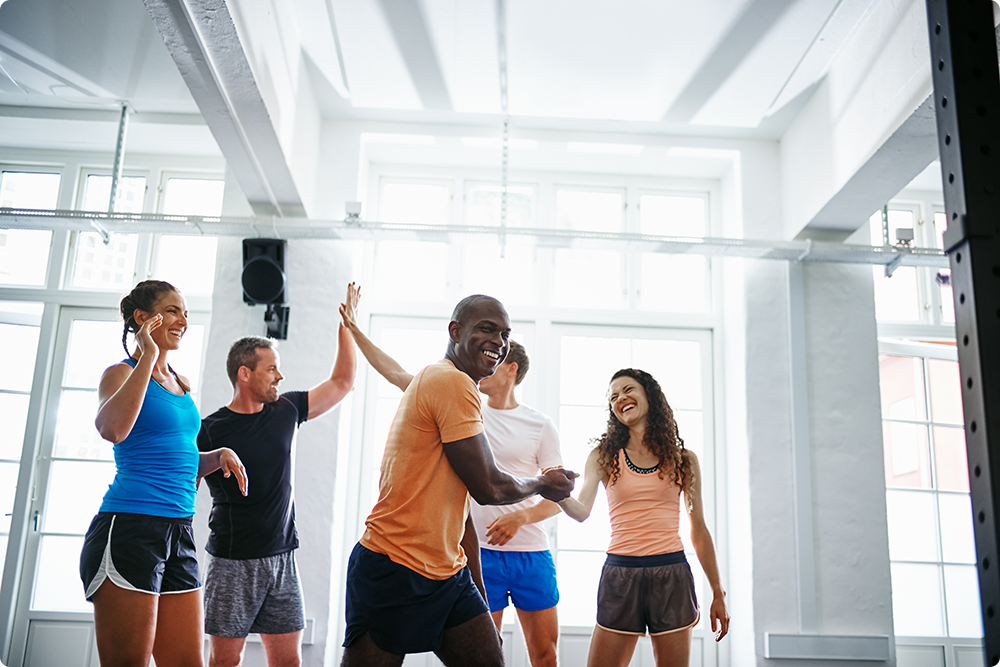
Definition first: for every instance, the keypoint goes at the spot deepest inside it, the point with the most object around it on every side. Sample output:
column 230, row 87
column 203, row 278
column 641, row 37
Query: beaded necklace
column 636, row 469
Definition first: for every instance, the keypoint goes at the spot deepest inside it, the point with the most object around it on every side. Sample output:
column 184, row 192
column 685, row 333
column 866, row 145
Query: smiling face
column 479, row 343
column 262, row 382
column 174, row 310
column 628, row 401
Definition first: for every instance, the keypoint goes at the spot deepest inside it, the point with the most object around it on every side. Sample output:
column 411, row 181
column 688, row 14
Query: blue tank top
column 157, row 464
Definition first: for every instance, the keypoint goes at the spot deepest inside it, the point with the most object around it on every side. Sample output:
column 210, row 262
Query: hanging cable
column 502, row 59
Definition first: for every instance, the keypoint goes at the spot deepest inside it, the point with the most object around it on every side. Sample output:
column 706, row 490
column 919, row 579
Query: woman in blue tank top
column 139, row 563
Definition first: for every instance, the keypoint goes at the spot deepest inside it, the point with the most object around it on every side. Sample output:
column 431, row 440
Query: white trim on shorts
column 107, row 570
column 652, row 634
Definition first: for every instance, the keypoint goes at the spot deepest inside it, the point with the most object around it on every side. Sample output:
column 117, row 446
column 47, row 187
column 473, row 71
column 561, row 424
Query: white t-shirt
column 524, row 442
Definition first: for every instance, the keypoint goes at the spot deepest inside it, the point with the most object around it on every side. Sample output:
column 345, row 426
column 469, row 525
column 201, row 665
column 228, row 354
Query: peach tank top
column 645, row 513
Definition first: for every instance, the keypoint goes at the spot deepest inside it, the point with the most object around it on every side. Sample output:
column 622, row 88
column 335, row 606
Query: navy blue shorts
column 405, row 612
column 526, row 578
column 138, row 552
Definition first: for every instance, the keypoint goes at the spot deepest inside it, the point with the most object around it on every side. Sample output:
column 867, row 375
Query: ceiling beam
column 406, row 20
column 906, row 153
column 203, row 41
column 745, row 33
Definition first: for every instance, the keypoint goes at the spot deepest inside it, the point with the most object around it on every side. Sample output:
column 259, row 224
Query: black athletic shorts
column 138, row 552
column 402, row 611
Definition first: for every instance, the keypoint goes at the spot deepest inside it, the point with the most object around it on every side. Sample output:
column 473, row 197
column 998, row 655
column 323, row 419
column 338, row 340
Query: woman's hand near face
column 143, row 338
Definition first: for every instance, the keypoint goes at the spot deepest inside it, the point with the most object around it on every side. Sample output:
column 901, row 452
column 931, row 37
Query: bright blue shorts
column 526, row 578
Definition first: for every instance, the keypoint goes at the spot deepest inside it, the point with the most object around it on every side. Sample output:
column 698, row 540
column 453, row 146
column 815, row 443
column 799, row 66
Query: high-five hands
column 349, row 309
column 558, row 484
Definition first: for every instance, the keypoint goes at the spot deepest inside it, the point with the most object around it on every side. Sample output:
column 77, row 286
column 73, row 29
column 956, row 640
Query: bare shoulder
column 691, row 458
column 594, row 466
column 113, row 378
column 120, row 370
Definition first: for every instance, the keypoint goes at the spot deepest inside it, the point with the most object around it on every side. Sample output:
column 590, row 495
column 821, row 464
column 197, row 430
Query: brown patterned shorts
column 647, row 593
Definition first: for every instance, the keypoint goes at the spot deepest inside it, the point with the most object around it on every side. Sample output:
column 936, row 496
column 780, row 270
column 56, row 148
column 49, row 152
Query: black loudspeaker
column 264, row 271
column 264, row 282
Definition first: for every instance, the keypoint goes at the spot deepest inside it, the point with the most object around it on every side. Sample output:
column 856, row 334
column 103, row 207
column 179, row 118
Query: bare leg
column 497, row 618
column 225, row 651
column 475, row 643
column 610, row 649
column 541, row 634
column 672, row 649
column 180, row 630
column 363, row 652
column 284, row 650
column 125, row 625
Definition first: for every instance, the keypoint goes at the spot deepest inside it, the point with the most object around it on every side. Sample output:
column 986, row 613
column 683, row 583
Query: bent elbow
column 111, row 436
column 485, row 496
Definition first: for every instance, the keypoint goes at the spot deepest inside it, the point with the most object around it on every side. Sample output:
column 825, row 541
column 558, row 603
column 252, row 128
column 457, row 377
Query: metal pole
column 967, row 103
column 116, row 171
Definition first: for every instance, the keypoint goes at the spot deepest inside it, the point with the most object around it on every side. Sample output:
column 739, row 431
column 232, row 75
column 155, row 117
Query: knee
column 545, row 656
column 217, row 658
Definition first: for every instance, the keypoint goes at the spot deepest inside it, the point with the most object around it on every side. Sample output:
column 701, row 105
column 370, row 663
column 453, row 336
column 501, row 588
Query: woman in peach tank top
column 646, row 584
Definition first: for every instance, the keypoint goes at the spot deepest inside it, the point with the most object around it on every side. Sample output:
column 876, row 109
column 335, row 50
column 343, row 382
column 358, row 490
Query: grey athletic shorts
column 260, row 595
column 640, row 593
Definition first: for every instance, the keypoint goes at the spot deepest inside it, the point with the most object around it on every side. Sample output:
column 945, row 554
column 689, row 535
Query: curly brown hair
column 661, row 436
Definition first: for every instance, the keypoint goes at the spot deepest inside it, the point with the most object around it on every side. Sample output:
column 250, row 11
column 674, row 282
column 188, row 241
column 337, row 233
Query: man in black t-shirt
column 251, row 584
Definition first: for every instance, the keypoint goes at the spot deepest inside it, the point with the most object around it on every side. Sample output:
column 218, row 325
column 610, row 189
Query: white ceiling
column 668, row 67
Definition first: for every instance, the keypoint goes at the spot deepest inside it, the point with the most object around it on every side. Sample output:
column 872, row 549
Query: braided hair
column 660, row 437
column 144, row 297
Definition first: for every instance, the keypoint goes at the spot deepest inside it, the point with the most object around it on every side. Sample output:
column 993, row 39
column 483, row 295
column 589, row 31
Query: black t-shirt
column 262, row 523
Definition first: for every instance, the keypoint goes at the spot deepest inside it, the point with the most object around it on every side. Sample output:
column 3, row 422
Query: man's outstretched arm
column 326, row 395
column 472, row 460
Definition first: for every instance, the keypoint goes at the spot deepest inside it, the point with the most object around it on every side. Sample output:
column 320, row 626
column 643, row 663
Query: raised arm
column 472, row 460
column 123, row 388
column 705, row 548
column 385, row 365
column 579, row 508
column 325, row 396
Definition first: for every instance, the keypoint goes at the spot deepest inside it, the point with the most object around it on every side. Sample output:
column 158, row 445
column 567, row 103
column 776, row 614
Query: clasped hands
column 558, row 484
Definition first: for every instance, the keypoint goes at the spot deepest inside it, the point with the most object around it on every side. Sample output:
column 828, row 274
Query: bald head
column 470, row 303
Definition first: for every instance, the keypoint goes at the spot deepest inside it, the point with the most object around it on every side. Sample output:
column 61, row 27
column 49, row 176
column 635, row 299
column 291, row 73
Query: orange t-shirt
column 645, row 513
column 419, row 519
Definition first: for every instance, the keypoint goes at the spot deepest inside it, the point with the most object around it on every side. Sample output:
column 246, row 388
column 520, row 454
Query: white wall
column 850, row 553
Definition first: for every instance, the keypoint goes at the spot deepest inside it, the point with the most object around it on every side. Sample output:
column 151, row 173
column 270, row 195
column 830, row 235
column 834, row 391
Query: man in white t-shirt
column 514, row 547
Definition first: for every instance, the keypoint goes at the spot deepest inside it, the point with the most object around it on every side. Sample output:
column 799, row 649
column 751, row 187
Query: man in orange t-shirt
column 413, row 581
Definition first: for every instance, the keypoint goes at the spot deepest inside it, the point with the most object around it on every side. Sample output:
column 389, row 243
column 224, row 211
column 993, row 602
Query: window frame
column 927, row 352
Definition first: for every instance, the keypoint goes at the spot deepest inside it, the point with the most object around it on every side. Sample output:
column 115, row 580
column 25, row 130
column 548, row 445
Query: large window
column 582, row 314
column 935, row 589
column 522, row 274
column 24, row 253
column 48, row 422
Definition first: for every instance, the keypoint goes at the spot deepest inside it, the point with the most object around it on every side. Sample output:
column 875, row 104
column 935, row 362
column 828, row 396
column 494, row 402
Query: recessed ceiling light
column 413, row 139
column 616, row 149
